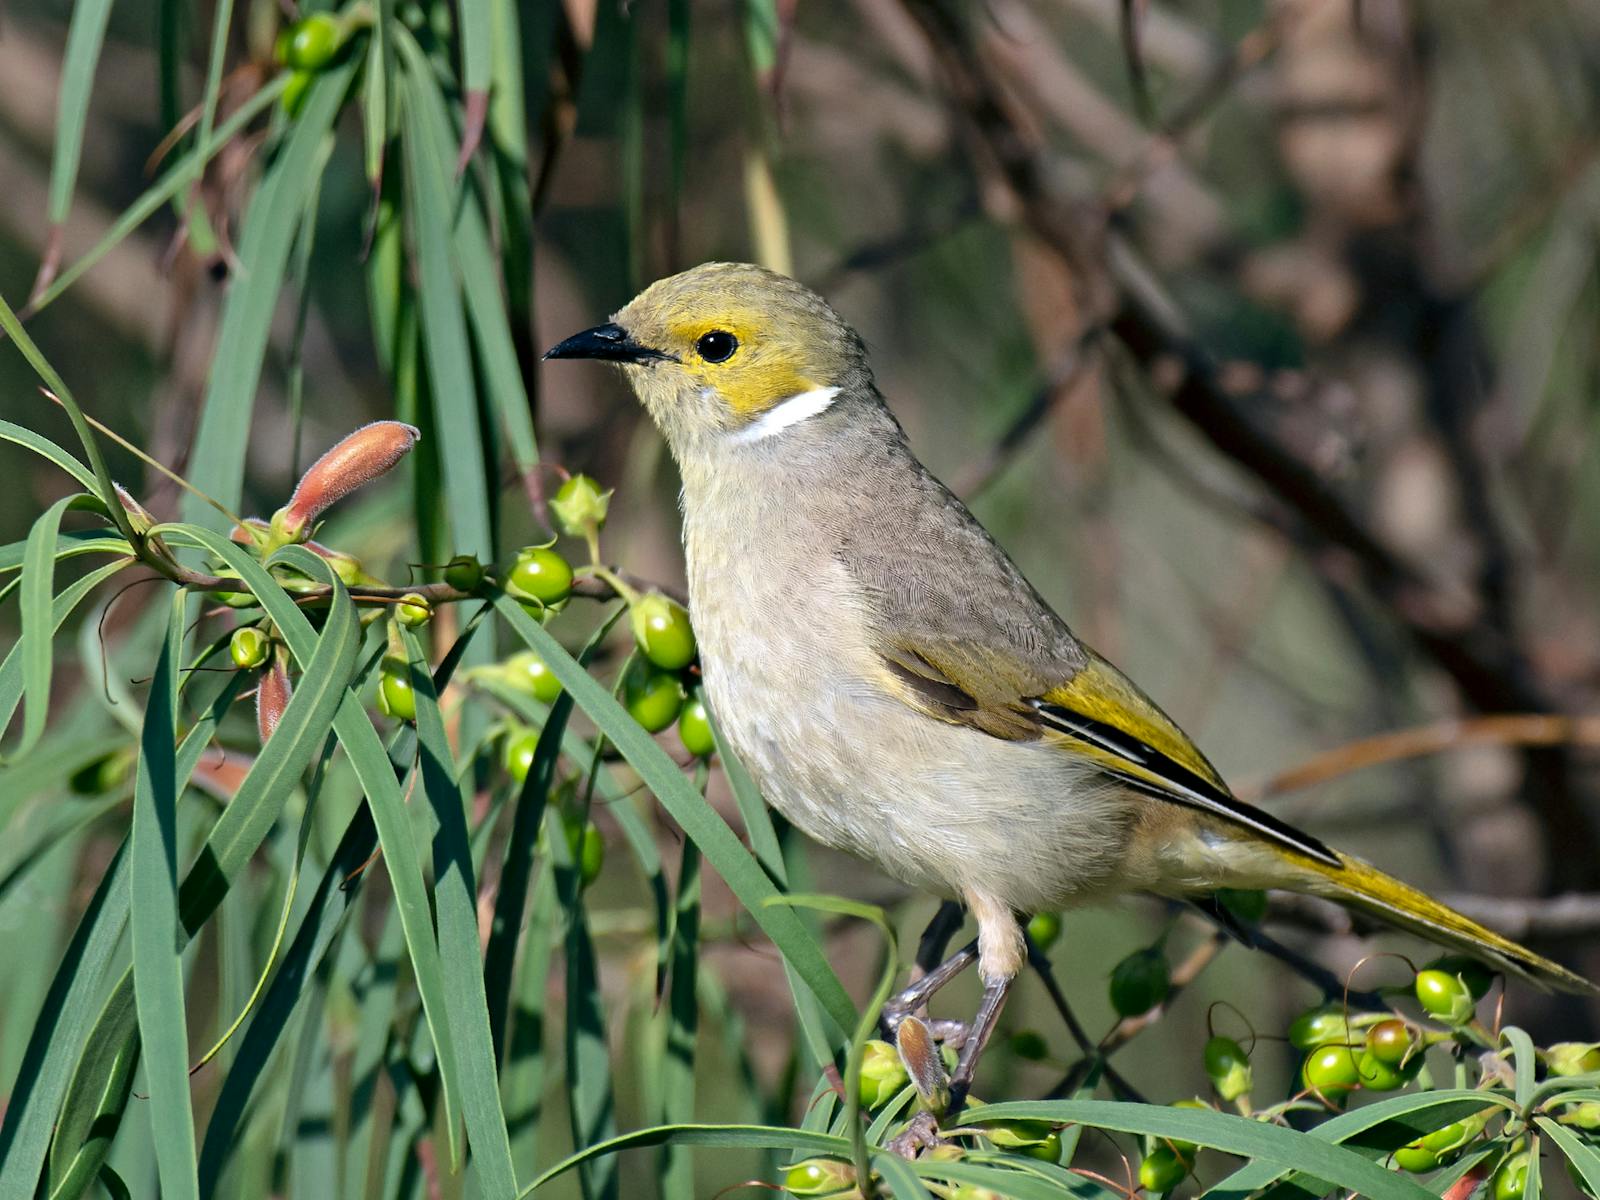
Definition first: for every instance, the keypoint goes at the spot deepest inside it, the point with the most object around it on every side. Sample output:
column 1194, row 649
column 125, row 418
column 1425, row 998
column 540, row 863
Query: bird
column 893, row 683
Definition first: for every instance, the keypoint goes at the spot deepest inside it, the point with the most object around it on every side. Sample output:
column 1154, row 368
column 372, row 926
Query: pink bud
column 363, row 456
column 272, row 697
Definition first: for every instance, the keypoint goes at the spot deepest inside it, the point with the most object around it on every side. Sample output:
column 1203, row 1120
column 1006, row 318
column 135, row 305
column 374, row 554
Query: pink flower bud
column 272, row 697
column 359, row 459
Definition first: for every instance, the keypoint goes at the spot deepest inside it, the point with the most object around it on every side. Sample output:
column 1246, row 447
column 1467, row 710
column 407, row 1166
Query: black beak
column 609, row 342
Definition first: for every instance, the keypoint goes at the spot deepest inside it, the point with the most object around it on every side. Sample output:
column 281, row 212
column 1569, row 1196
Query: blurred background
column 1265, row 336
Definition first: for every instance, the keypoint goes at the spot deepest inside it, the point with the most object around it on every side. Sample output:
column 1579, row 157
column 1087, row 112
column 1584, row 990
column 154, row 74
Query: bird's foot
column 918, row 1137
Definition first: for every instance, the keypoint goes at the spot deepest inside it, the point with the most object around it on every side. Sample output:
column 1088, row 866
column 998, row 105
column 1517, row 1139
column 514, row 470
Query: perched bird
column 895, row 685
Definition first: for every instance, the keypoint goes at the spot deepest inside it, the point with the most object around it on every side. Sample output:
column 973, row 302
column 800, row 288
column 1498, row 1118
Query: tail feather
column 1359, row 885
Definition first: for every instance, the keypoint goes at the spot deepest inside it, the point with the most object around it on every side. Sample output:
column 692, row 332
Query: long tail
column 1361, row 886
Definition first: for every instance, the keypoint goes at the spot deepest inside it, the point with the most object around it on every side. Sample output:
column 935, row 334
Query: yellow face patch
column 760, row 372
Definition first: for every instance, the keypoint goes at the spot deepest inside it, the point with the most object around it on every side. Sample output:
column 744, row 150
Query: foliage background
column 1369, row 229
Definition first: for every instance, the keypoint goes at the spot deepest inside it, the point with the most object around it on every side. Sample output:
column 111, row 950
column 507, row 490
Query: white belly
column 943, row 807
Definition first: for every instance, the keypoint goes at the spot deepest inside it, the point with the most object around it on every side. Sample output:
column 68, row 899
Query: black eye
column 717, row 346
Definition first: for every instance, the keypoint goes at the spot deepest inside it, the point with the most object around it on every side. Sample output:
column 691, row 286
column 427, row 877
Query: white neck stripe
column 785, row 413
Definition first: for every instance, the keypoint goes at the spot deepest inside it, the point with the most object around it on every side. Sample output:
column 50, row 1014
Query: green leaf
column 1223, row 1131
column 679, row 1028
column 456, row 897
column 40, row 444
column 217, row 460
column 689, row 809
column 1579, row 1153
column 371, row 765
column 444, row 330
column 157, row 960
column 37, row 646
column 85, row 36
column 1525, row 1059
column 1451, row 1105
column 64, row 1022
column 727, row 1137
column 70, row 543
column 902, row 1179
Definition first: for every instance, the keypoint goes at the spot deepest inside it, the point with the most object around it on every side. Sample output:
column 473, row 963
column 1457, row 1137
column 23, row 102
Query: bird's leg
column 916, row 995
column 943, row 926
column 983, row 1025
column 930, row 957
column 1002, row 951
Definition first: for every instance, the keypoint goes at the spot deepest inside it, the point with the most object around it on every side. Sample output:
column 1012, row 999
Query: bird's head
column 728, row 352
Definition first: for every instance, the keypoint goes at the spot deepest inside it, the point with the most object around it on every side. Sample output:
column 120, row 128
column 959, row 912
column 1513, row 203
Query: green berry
column 521, row 742
column 531, row 675
column 464, row 573
column 818, row 1177
column 314, row 40
column 1029, row 1045
column 1048, row 1150
column 540, row 575
column 1447, row 1139
column 588, row 848
column 1139, row 982
column 293, row 97
column 103, row 774
column 1379, row 1076
column 1416, row 1158
column 1015, row 1134
column 1477, row 977
column 1332, row 1071
column 249, row 647
column 280, row 47
column 653, row 698
column 395, row 696
column 1390, row 1042
column 1248, row 905
column 1445, row 996
column 1319, row 1027
column 413, row 611
column 1573, row 1058
column 662, row 630
column 1511, row 1177
column 882, row 1074
column 579, row 507
column 694, row 726
column 1581, row 1115
column 1228, row 1067
column 1162, row 1170
column 1044, row 929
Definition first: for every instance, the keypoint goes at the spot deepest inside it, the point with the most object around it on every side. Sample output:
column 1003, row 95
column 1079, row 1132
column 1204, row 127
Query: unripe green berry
column 818, row 1177
column 882, row 1074
column 662, row 630
column 314, row 40
column 1048, row 1150
column 413, row 611
column 1319, row 1027
column 540, row 575
column 1510, row 1179
column 464, row 573
column 249, row 647
column 1379, row 1076
column 1583, row 1115
column 531, row 675
column 1228, row 1067
column 579, row 507
column 653, row 698
column 1029, row 1045
column 1139, row 982
column 694, row 726
column 1416, row 1158
column 395, row 695
column 521, row 742
column 1248, row 905
column 1477, row 977
column 1447, row 1139
column 1162, row 1170
column 1331, row 1071
column 103, row 774
column 293, row 97
column 588, row 849
column 1573, row 1058
column 1445, row 996
column 1044, row 929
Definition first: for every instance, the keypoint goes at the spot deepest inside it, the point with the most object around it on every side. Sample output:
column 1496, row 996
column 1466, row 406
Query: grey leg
column 917, row 994
column 983, row 1026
